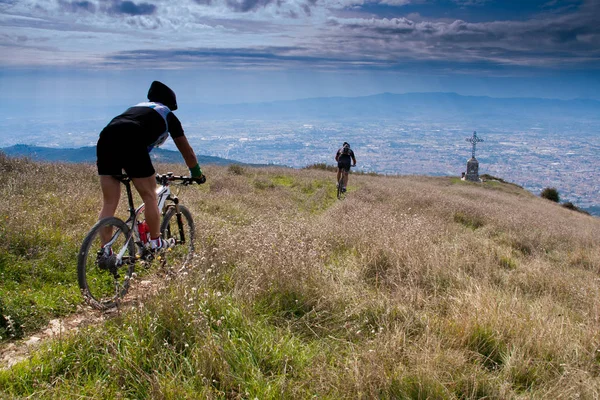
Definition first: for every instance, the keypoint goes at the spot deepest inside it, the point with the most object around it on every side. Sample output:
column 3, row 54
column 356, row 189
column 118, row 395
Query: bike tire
column 181, row 229
column 340, row 193
column 102, row 288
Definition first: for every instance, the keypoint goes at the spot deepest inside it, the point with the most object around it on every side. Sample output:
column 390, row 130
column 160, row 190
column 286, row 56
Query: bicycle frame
column 343, row 177
column 163, row 193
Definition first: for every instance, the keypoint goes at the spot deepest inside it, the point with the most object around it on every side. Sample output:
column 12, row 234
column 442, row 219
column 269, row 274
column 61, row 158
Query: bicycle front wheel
column 180, row 227
column 104, row 274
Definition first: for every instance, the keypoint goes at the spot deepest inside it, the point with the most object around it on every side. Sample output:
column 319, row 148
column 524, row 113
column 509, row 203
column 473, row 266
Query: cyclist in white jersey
column 125, row 145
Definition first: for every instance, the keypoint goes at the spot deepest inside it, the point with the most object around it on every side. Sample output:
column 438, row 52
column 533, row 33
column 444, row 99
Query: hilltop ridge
column 411, row 287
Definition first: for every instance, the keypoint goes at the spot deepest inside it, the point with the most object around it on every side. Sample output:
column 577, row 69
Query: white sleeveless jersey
column 163, row 111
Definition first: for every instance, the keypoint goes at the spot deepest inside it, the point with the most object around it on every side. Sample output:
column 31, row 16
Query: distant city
column 534, row 152
column 532, row 156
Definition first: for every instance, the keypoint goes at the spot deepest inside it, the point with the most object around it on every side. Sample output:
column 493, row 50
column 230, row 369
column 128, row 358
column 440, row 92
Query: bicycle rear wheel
column 340, row 192
column 104, row 278
column 181, row 228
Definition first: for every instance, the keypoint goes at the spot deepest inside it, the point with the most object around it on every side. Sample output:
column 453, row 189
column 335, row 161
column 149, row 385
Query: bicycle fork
column 179, row 217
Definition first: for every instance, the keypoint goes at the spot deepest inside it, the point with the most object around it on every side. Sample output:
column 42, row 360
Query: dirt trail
column 13, row 352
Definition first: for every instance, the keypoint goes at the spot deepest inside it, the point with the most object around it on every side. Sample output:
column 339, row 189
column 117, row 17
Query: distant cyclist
column 344, row 158
column 125, row 144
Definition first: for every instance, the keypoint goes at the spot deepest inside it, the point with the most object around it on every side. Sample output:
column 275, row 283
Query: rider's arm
column 337, row 156
column 176, row 131
column 186, row 151
column 353, row 159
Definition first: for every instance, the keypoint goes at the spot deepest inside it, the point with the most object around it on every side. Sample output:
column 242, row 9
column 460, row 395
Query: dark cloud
column 271, row 57
column 549, row 40
column 306, row 9
column 240, row 5
column 76, row 6
column 130, row 8
column 243, row 6
column 248, row 5
column 300, row 57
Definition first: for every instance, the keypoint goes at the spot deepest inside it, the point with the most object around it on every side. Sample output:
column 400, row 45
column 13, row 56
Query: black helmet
column 346, row 144
column 160, row 93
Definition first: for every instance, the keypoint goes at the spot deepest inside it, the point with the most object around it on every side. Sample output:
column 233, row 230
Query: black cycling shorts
column 122, row 147
column 344, row 165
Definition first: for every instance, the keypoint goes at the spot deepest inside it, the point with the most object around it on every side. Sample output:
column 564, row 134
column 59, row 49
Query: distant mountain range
column 384, row 106
column 88, row 155
column 390, row 106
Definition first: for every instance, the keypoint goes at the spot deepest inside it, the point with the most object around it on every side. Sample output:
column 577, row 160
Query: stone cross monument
column 472, row 164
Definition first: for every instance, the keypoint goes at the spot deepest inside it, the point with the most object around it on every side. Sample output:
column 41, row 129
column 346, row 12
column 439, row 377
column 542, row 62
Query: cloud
column 270, row 57
column 76, row 6
column 220, row 55
column 547, row 40
column 291, row 8
column 248, row 5
column 278, row 33
column 130, row 8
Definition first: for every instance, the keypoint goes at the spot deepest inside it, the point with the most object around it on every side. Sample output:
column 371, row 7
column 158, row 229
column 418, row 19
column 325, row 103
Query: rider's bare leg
column 339, row 175
column 111, row 193
column 345, row 178
column 146, row 187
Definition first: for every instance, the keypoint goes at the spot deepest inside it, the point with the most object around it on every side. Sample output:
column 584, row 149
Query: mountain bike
column 340, row 192
column 105, row 271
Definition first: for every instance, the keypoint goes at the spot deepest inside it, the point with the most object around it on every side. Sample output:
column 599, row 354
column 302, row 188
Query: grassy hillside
column 411, row 287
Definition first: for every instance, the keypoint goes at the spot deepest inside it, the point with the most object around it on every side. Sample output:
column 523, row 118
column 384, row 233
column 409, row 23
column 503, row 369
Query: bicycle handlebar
column 164, row 179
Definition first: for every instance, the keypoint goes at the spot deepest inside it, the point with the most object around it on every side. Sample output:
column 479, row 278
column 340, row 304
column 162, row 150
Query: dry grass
column 412, row 287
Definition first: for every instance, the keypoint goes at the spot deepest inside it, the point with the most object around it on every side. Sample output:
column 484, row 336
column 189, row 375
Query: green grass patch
column 284, row 304
column 485, row 342
column 38, row 283
column 202, row 341
column 283, row 180
column 507, row 262
column 236, row 169
column 261, row 183
column 468, row 220
column 322, row 166
column 317, row 196
column 313, row 186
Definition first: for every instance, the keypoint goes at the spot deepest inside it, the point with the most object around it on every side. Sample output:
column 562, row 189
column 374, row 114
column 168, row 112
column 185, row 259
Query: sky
column 229, row 51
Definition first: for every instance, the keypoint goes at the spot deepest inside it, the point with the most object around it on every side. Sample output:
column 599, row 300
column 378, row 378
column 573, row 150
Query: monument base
column 472, row 170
